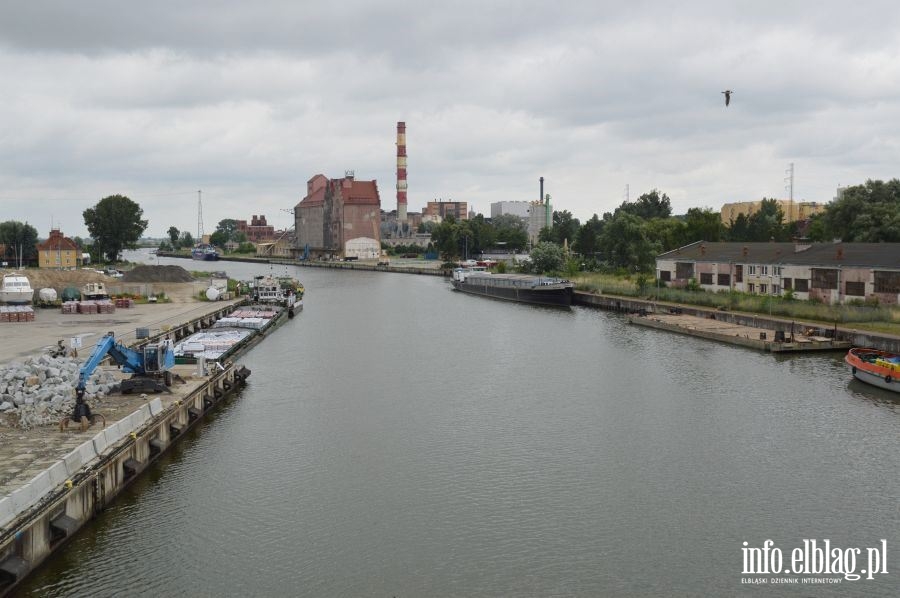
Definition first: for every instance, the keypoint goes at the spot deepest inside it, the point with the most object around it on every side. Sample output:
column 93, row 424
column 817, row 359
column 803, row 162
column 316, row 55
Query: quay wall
column 859, row 338
column 38, row 518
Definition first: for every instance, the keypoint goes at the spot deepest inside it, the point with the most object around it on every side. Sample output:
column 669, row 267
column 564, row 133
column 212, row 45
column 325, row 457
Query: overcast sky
column 248, row 100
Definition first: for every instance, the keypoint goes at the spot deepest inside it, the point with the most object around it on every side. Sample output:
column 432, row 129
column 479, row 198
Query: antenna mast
column 199, row 216
column 789, row 179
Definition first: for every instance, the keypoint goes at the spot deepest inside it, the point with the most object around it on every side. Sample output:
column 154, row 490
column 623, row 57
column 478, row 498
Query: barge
column 521, row 288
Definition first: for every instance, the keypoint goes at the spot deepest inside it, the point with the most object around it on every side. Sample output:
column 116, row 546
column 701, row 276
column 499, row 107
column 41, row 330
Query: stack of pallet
column 105, row 306
column 125, row 302
column 16, row 313
column 70, row 307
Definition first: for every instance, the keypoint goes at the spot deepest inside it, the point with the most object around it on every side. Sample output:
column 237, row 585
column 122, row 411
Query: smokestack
column 541, row 196
column 401, row 173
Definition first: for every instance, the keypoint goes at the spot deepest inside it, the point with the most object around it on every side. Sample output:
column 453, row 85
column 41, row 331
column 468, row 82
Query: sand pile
column 157, row 274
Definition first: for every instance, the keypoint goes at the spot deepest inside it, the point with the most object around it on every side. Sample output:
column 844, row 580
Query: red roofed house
column 58, row 252
column 339, row 218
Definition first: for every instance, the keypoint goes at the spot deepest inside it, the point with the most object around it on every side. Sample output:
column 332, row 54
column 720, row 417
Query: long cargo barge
column 52, row 502
column 522, row 288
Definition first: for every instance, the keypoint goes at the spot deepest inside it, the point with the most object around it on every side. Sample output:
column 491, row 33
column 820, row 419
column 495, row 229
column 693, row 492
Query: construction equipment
column 150, row 365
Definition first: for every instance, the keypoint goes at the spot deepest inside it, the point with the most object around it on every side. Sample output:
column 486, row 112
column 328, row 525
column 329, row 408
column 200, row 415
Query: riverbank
column 52, row 481
column 855, row 336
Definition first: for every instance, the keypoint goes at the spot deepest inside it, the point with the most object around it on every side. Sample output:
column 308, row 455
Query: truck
column 150, row 365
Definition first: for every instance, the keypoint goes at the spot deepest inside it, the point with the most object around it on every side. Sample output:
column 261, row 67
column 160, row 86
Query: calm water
column 401, row 439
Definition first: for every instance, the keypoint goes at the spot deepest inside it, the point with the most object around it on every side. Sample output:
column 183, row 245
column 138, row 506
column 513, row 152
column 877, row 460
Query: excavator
column 150, row 366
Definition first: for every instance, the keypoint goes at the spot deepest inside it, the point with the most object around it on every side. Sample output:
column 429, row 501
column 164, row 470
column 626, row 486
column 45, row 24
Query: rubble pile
column 41, row 390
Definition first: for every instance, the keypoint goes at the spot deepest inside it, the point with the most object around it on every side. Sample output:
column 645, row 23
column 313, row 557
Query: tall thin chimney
column 401, row 173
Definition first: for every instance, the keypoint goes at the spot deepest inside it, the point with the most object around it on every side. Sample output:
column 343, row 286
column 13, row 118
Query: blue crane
column 150, row 366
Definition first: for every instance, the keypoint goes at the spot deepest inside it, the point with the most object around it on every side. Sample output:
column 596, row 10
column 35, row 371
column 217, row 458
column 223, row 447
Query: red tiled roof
column 57, row 242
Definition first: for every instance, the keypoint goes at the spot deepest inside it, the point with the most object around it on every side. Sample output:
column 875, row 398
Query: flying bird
column 727, row 93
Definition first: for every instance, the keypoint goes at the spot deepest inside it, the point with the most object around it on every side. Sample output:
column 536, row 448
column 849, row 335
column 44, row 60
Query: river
column 401, row 439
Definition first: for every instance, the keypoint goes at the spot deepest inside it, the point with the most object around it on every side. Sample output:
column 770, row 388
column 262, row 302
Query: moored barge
column 522, row 288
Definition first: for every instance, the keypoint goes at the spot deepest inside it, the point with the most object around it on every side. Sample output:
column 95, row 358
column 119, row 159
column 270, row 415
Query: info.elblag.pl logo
column 813, row 562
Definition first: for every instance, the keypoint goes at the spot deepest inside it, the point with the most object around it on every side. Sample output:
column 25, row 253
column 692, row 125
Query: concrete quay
column 737, row 334
column 52, row 481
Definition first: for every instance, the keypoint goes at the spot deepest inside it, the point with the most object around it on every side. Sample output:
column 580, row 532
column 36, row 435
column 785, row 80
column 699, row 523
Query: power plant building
column 522, row 209
column 339, row 218
column 793, row 211
column 436, row 211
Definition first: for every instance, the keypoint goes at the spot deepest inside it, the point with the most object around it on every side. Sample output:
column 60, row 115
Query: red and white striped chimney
column 401, row 172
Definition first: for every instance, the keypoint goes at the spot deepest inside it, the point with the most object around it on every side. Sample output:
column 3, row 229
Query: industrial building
column 794, row 211
column 258, row 230
column 436, row 211
column 339, row 218
column 827, row 272
column 522, row 209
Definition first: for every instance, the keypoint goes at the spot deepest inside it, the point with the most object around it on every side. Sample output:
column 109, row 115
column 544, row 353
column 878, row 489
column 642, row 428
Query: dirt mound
column 59, row 279
column 157, row 274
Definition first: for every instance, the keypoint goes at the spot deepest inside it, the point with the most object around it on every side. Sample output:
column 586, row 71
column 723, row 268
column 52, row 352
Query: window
column 855, row 289
column 801, row 285
column 706, row 278
column 887, row 282
column 763, row 289
column 665, row 275
column 751, row 288
column 738, row 274
column 724, row 280
column 776, row 290
column 787, row 283
column 684, row 270
column 751, row 270
column 776, row 270
column 823, row 278
column 764, row 270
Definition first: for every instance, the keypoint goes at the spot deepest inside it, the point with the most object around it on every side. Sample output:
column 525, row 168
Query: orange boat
column 879, row 368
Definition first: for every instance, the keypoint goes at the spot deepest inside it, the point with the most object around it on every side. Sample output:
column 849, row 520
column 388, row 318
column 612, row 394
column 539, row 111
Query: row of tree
column 114, row 224
column 636, row 232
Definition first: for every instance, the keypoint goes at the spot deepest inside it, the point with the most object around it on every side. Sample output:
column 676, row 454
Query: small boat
column 284, row 291
column 879, row 368
column 16, row 289
column 94, row 290
column 522, row 288
column 205, row 252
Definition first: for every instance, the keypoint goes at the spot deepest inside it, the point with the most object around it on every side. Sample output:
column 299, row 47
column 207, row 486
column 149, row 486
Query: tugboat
column 205, row 252
column 878, row 368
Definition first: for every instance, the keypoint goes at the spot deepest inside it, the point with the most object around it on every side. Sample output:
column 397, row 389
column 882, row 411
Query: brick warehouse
column 339, row 218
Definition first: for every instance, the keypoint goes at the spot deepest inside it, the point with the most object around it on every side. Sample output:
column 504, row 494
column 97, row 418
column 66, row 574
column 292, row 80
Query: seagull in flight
column 727, row 93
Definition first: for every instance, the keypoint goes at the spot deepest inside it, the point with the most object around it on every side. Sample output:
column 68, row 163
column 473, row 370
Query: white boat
column 16, row 289
column 279, row 291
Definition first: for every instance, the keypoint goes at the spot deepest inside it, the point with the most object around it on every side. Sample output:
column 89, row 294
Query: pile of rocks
column 41, row 390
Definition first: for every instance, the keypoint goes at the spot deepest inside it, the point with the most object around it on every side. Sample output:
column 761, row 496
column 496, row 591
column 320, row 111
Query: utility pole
column 199, row 216
column 789, row 179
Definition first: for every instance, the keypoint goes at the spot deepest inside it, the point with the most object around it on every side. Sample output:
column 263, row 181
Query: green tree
column 767, row 223
column 115, row 224
column 186, row 239
column 865, row 213
column 667, row 233
column 445, row 237
column 228, row 227
column 511, row 231
column 218, row 238
column 587, row 242
column 648, row 206
column 20, row 241
column 702, row 224
column 173, row 236
column 625, row 243
column 565, row 227
column 547, row 257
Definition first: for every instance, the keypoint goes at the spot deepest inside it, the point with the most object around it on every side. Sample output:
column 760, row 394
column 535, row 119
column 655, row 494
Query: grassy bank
column 877, row 318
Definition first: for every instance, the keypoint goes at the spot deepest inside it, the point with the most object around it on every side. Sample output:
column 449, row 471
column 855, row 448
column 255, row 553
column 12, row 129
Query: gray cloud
column 248, row 101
